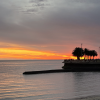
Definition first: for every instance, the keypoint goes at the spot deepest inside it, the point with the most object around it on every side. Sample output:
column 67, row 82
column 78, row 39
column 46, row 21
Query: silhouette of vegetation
column 86, row 52
column 78, row 52
column 94, row 53
column 90, row 53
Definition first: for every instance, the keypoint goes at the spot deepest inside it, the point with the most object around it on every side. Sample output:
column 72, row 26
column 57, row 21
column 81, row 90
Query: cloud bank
column 53, row 25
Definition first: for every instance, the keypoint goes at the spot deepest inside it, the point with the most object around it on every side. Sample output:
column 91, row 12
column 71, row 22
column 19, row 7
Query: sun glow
column 9, row 51
column 19, row 53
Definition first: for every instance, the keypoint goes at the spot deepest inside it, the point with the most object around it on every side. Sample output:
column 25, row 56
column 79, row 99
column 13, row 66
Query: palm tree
column 78, row 52
column 94, row 53
column 86, row 52
column 90, row 53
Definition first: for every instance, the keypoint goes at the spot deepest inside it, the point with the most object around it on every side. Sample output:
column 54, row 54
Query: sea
column 50, row 86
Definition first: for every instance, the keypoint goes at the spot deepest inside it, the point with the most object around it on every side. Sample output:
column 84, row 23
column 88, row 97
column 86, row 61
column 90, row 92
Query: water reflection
column 16, row 86
column 86, row 83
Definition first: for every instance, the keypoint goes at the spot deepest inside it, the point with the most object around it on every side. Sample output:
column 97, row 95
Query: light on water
column 52, row 86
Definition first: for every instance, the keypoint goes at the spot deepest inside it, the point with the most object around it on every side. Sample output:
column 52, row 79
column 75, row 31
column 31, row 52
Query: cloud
column 31, row 1
column 50, row 23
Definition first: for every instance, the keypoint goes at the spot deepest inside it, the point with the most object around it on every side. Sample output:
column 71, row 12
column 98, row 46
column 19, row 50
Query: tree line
column 80, row 52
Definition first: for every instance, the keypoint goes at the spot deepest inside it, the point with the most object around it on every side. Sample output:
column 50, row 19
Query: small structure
column 82, row 65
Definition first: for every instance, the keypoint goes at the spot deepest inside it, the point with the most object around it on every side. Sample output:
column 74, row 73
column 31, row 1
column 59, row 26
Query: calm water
column 53, row 86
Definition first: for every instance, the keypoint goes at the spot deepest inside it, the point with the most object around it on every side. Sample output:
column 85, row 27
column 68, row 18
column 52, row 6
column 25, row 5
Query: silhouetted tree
column 90, row 53
column 78, row 52
column 94, row 53
column 86, row 52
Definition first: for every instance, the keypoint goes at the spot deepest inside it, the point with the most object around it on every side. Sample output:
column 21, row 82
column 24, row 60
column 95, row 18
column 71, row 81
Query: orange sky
column 17, row 52
column 10, row 51
column 48, row 29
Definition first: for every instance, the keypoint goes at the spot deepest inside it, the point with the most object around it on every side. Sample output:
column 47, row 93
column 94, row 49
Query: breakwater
column 63, row 70
column 45, row 71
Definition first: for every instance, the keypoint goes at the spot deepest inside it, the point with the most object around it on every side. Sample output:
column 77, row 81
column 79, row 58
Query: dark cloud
column 32, row 10
column 32, row 1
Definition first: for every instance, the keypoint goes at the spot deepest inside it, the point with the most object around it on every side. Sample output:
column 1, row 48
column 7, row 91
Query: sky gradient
column 48, row 29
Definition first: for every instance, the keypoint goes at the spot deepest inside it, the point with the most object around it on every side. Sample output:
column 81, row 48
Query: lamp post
column 81, row 50
column 99, row 52
column 81, row 45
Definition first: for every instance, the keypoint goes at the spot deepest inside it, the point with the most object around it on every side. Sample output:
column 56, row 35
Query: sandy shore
column 86, row 98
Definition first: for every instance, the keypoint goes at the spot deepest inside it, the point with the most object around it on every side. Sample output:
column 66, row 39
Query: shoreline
column 93, row 97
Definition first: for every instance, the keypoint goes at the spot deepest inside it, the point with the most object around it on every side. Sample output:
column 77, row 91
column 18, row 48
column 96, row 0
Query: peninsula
column 79, row 65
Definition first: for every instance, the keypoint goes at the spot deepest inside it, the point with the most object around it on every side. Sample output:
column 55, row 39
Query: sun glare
column 17, row 53
column 9, row 51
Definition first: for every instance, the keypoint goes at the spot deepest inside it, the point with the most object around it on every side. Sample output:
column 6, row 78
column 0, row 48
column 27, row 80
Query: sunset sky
column 48, row 29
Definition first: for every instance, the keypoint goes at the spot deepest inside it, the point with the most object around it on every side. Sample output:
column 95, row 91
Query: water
column 52, row 86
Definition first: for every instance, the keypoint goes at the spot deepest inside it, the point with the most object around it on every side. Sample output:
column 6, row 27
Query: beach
column 96, row 97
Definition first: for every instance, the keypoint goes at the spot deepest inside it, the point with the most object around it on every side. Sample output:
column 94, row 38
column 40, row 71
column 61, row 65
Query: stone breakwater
column 61, row 70
column 45, row 71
